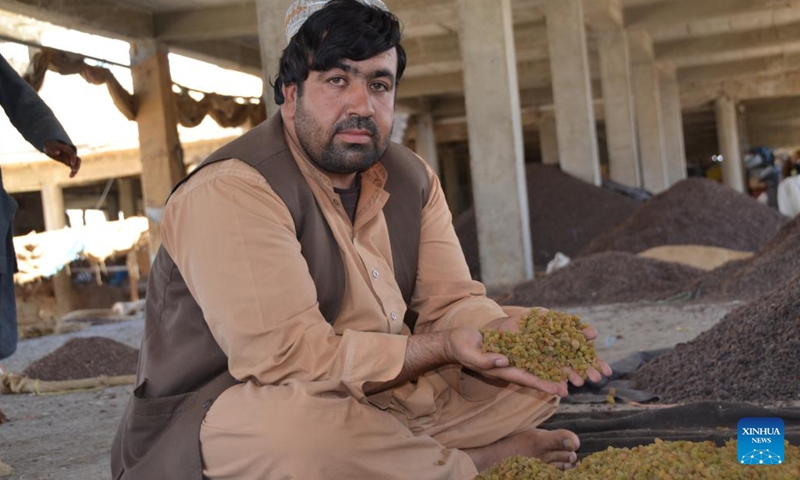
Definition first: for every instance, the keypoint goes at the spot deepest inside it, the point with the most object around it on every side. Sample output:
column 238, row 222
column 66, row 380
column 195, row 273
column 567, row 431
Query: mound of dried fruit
column 521, row 468
column 660, row 460
column 547, row 342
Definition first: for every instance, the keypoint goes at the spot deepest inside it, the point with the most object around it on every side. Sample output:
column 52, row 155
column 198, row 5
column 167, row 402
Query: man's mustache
column 357, row 123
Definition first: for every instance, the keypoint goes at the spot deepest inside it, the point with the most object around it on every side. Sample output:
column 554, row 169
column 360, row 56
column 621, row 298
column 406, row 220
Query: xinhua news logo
column 760, row 441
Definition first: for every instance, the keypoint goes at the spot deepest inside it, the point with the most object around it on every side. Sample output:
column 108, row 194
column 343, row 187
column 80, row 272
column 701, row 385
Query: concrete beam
column 743, row 88
column 659, row 14
column 440, row 54
column 774, row 122
column 224, row 53
column 95, row 167
column 454, row 129
column 230, row 20
column 603, row 15
column 731, row 46
column 239, row 20
column 101, row 17
column 30, row 177
column 430, row 85
column 531, row 75
column 749, row 67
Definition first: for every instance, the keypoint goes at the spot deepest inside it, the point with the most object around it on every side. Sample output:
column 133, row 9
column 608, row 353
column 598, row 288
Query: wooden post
column 127, row 204
column 161, row 152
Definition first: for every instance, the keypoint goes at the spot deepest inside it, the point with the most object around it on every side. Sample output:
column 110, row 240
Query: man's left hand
column 63, row 153
column 511, row 324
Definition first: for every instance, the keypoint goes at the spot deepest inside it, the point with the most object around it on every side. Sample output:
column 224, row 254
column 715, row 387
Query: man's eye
column 337, row 81
column 380, row 87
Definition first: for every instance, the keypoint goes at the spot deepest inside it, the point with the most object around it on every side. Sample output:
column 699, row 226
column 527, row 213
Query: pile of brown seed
column 566, row 214
column 85, row 358
column 770, row 269
column 751, row 355
column 603, row 278
column 695, row 211
column 660, row 460
column 547, row 342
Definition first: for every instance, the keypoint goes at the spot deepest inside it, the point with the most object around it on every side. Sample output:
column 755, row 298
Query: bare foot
column 3, row 418
column 555, row 447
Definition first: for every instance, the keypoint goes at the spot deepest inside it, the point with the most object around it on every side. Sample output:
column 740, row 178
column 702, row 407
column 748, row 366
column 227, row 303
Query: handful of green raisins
column 547, row 342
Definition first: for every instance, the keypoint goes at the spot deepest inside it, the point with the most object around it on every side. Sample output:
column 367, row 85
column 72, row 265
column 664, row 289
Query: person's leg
column 486, row 421
column 8, row 307
column 290, row 432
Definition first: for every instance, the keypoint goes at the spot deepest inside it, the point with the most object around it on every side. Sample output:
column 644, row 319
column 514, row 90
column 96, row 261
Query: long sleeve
column 234, row 242
column 27, row 111
column 445, row 294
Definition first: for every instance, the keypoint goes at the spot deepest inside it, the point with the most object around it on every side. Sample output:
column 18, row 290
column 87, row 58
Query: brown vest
column 182, row 369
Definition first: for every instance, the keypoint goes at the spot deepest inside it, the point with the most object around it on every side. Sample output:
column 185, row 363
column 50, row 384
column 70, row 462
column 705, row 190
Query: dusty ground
column 68, row 437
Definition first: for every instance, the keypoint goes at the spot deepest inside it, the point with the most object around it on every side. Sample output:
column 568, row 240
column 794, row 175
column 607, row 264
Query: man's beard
column 335, row 156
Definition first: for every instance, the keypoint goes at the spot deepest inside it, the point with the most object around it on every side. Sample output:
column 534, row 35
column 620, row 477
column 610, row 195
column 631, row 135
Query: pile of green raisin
column 657, row 461
column 547, row 342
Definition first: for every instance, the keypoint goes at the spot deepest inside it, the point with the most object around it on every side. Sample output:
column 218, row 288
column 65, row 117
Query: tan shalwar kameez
column 301, row 411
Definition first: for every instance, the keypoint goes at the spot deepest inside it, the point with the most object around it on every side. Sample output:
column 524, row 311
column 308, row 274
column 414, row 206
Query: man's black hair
column 344, row 29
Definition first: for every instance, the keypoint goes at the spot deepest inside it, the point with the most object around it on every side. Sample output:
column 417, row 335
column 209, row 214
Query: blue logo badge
column 760, row 441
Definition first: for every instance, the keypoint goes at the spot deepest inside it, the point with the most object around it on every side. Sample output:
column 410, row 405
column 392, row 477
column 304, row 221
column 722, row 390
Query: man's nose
column 361, row 101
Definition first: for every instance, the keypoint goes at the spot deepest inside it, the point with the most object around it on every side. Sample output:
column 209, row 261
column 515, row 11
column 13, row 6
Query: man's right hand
column 465, row 347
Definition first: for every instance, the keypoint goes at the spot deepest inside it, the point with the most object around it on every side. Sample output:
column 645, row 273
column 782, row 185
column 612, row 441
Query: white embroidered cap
column 300, row 10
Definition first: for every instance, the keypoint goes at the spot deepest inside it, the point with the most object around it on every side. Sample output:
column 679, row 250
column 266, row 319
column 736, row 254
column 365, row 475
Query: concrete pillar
column 647, row 94
column 672, row 120
column 548, row 138
column 159, row 146
column 271, row 15
column 127, row 204
column 426, row 141
column 572, row 90
column 744, row 135
column 452, row 187
column 53, row 206
column 55, row 219
column 620, row 117
column 494, row 127
column 730, row 144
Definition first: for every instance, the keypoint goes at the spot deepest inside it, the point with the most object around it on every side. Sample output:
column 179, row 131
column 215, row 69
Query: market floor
column 68, row 437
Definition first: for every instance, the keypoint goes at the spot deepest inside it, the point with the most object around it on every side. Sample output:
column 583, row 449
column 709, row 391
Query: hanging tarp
column 227, row 111
column 67, row 63
column 45, row 254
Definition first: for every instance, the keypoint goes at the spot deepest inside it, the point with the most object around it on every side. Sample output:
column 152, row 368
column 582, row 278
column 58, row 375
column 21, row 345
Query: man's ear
column 289, row 100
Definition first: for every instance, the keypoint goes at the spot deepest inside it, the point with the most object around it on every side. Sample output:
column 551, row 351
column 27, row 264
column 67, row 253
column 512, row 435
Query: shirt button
column 375, row 273
column 393, row 315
